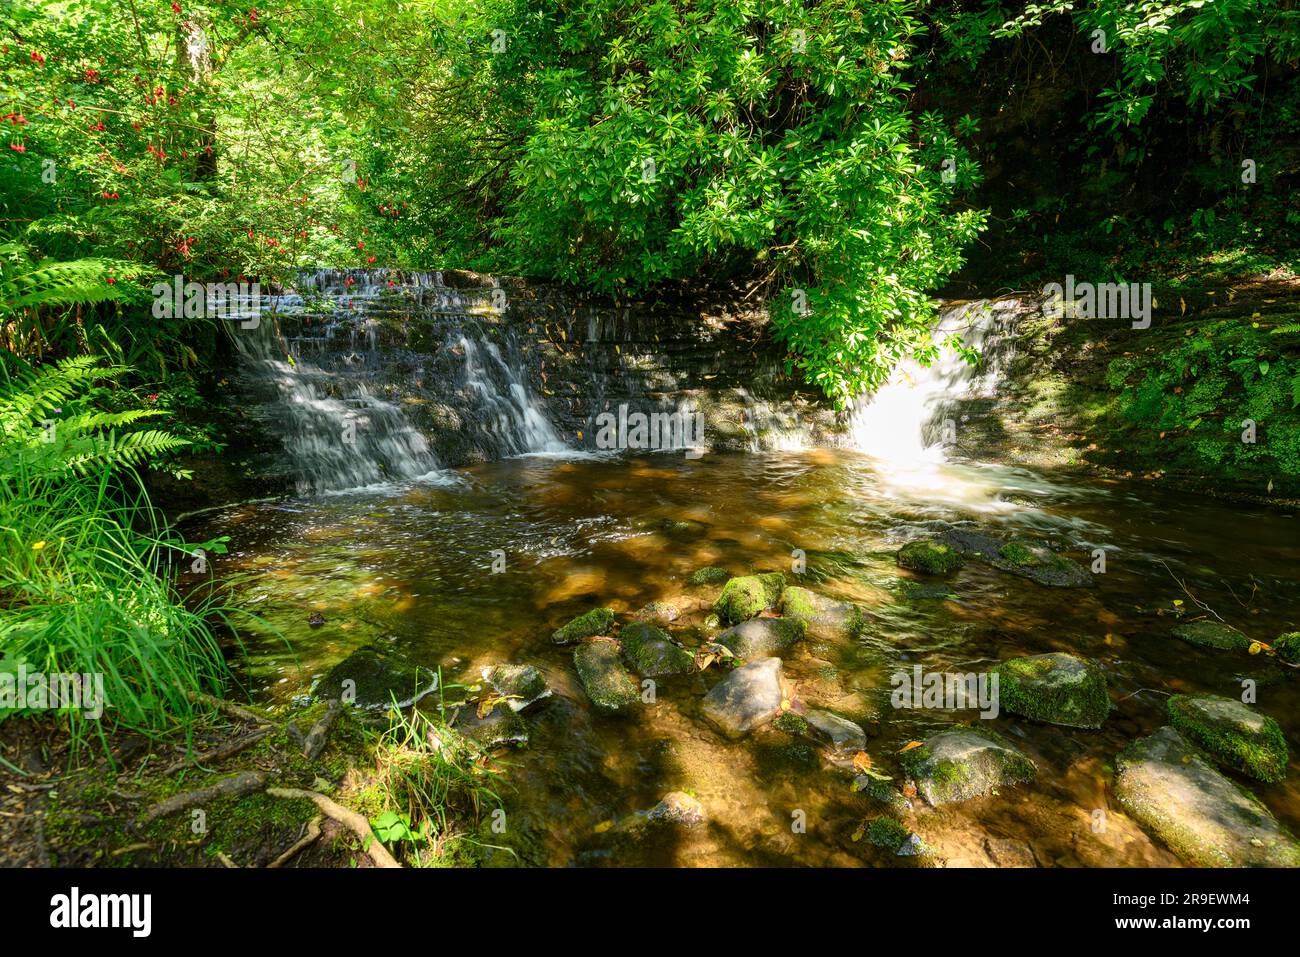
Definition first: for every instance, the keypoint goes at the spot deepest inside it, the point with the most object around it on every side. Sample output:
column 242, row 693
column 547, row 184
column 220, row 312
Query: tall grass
column 88, row 573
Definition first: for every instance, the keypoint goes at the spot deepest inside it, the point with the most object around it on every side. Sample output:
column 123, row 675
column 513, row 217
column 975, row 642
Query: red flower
column 18, row 147
column 176, row 7
column 37, row 58
column 370, row 259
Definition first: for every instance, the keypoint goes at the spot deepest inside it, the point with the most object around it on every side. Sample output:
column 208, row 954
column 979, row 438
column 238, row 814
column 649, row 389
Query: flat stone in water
column 606, row 681
column 498, row 729
column 677, row 807
column 1212, row 634
column 650, row 652
column 823, row 617
column 964, row 763
column 761, row 637
column 1029, row 560
column 523, row 685
column 1232, row 733
column 1058, row 688
column 373, row 678
column 840, row 733
column 1204, row 818
column 748, row 697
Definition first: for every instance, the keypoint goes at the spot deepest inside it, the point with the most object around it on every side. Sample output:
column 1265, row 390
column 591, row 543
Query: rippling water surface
column 411, row 565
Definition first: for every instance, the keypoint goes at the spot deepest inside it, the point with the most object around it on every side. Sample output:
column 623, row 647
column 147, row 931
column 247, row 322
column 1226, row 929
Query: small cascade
column 907, row 423
column 366, row 376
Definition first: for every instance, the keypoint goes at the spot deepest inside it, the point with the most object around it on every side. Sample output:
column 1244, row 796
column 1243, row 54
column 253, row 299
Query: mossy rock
column 929, row 556
column 500, row 728
column 522, row 684
column 1232, row 733
column 761, row 637
column 887, row 833
column 1164, row 784
column 1212, row 634
column 606, row 681
column 823, row 617
column 791, row 722
column 1032, row 560
column 1287, row 647
column 650, row 652
column 749, row 596
column 373, row 678
column 709, row 575
column 963, row 763
column 1057, row 688
column 598, row 621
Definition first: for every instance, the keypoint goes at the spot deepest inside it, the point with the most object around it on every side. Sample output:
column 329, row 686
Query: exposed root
column 351, row 819
column 313, row 832
column 314, row 743
column 228, row 708
column 237, row 785
column 220, row 754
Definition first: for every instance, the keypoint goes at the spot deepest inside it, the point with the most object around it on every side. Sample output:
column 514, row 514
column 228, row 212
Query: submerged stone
column 709, row 575
column 678, row 807
column 748, row 697
column 662, row 612
column 823, row 617
column 840, row 733
column 761, row 637
column 749, row 596
column 598, row 621
column 964, row 763
column 650, row 652
column 606, row 681
column 1204, row 818
column 523, row 685
column 929, row 556
column 373, row 678
column 1212, row 634
column 1234, row 734
column 1031, row 560
column 1057, row 688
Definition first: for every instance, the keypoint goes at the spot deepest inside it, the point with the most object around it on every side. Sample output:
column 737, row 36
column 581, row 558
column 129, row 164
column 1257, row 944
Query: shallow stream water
column 411, row 565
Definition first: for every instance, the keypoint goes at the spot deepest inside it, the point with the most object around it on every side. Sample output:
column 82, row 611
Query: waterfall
column 909, row 423
column 333, row 376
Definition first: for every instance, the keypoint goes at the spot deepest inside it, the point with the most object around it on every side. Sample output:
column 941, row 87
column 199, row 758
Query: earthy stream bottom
column 412, row 566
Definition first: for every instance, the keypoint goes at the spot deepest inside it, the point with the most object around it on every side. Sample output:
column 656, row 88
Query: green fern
column 27, row 284
column 39, row 438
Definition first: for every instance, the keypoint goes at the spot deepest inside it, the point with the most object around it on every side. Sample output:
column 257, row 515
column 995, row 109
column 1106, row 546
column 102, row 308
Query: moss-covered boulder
column 929, row 556
column 761, row 637
column 1212, row 634
column 1165, row 785
column 499, row 728
column 650, row 652
column 598, row 621
column 964, row 763
column 749, row 596
column 1235, row 735
column 709, row 575
column 606, row 681
column 886, row 832
column 373, row 677
column 1057, row 688
column 1287, row 647
column 823, row 617
column 747, row 698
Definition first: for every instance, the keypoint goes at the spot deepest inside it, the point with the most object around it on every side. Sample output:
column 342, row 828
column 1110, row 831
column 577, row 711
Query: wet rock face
column 1233, row 734
column 598, row 621
column 1057, row 688
column 965, row 763
column 749, row 596
column 500, row 728
column 747, row 698
column 1212, row 634
column 650, row 652
column 373, row 678
column 823, row 617
column 1204, row 818
column 606, row 681
column 1027, row 559
column 761, row 637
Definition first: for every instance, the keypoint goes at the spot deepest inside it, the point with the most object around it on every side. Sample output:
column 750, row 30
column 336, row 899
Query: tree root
column 351, row 819
column 316, row 738
column 228, row 708
column 237, row 785
column 313, row 832
column 220, row 754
